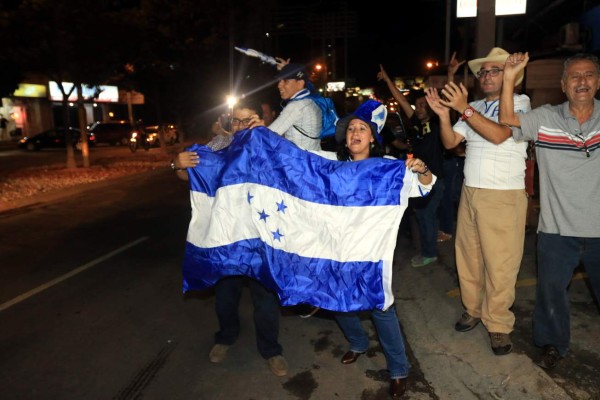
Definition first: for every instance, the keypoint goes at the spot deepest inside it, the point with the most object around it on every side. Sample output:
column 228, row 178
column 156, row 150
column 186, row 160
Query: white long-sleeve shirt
column 302, row 113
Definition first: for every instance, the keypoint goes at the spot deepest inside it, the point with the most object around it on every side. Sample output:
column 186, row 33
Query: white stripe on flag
column 308, row 229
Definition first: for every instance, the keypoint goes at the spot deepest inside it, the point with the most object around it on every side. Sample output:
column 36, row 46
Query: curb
column 22, row 205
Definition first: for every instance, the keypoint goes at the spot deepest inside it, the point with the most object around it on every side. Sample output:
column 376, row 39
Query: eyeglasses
column 243, row 122
column 482, row 73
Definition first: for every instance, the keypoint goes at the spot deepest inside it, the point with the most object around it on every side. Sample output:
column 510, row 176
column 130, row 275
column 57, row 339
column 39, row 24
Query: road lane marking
column 68, row 275
column 522, row 283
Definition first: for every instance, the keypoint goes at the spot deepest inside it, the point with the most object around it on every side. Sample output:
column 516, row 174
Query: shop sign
column 100, row 93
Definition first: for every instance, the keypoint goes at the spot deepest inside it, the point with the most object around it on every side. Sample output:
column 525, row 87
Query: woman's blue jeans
column 390, row 336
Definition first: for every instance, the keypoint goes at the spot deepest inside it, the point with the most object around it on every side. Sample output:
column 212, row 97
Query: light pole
column 320, row 74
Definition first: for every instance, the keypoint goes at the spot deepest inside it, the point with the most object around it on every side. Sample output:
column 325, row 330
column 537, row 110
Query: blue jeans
column 427, row 218
column 447, row 208
column 228, row 292
column 390, row 337
column 558, row 256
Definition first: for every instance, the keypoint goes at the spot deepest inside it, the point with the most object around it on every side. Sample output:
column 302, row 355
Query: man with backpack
column 300, row 121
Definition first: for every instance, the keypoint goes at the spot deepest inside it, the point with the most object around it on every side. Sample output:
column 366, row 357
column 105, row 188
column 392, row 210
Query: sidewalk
column 459, row 365
column 11, row 145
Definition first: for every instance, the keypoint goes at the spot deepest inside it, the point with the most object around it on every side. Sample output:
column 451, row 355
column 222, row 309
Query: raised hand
column 454, row 64
column 434, row 101
column 281, row 62
column 455, row 96
column 382, row 75
column 515, row 63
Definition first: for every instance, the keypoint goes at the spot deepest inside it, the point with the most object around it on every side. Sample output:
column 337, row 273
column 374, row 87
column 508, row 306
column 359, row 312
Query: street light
column 320, row 76
column 431, row 64
column 231, row 100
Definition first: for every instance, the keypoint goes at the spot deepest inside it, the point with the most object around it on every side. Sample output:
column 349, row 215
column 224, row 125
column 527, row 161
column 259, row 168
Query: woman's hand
column 417, row 165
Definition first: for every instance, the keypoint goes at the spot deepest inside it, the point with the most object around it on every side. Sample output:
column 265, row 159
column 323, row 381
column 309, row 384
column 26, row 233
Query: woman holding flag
column 359, row 133
column 259, row 207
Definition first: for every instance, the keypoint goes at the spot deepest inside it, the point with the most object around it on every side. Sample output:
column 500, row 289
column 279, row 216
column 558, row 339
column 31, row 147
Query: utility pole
column 447, row 41
column 486, row 27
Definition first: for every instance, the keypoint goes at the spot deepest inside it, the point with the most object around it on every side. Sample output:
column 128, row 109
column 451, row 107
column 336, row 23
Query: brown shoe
column 549, row 358
column 278, row 365
column 218, row 353
column 397, row 387
column 466, row 322
column 443, row 236
column 350, row 357
column 501, row 343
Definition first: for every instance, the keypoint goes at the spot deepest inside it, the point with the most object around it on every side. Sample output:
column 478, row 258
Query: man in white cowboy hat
column 490, row 229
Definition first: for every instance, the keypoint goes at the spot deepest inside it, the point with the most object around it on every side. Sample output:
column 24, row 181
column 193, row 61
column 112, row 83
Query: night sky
column 403, row 35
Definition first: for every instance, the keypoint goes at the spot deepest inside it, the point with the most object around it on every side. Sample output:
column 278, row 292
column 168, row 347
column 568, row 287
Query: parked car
column 52, row 138
column 115, row 133
column 170, row 134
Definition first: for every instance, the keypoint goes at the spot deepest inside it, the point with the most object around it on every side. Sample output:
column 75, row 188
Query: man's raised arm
column 399, row 97
column 515, row 63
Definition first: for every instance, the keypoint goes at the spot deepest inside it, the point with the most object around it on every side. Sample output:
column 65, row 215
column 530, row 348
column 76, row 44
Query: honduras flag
column 312, row 230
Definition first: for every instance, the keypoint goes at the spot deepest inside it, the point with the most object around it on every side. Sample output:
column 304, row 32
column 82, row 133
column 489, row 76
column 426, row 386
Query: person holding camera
column 228, row 290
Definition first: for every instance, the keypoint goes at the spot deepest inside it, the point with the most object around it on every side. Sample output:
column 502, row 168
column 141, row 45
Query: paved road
column 109, row 320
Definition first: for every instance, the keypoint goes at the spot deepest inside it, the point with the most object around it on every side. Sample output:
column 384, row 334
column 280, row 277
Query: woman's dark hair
column 375, row 150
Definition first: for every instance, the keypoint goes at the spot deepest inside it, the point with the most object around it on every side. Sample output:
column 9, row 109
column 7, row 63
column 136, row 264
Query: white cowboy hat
column 495, row 55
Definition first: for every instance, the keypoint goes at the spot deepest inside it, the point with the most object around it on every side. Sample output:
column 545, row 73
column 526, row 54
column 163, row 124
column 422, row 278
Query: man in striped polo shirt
column 567, row 139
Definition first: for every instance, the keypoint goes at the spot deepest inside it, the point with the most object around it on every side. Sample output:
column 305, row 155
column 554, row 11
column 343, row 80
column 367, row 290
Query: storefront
column 27, row 110
column 36, row 107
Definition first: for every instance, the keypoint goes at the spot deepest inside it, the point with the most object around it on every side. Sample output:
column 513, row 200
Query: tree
column 179, row 58
column 67, row 41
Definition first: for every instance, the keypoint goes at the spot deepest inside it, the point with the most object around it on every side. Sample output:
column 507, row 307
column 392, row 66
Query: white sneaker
column 278, row 365
column 218, row 353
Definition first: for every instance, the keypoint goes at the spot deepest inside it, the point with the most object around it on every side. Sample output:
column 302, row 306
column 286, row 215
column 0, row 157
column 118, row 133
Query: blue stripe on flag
column 261, row 156
column 331, row 285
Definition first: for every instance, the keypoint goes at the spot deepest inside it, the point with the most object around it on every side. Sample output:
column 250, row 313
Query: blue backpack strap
column 329, row 116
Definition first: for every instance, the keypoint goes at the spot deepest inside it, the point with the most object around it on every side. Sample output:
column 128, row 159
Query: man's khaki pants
column 490, row 235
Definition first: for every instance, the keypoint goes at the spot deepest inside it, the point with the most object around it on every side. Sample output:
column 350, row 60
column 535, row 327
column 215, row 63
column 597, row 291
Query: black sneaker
column 466, row 323
column 501, row 343
column 550, row 358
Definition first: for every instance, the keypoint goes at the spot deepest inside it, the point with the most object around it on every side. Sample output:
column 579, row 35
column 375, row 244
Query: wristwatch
column 468, row 113
column 174, row 168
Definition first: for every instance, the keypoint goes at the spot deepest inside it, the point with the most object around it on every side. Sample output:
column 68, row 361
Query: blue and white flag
column 312, row 230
